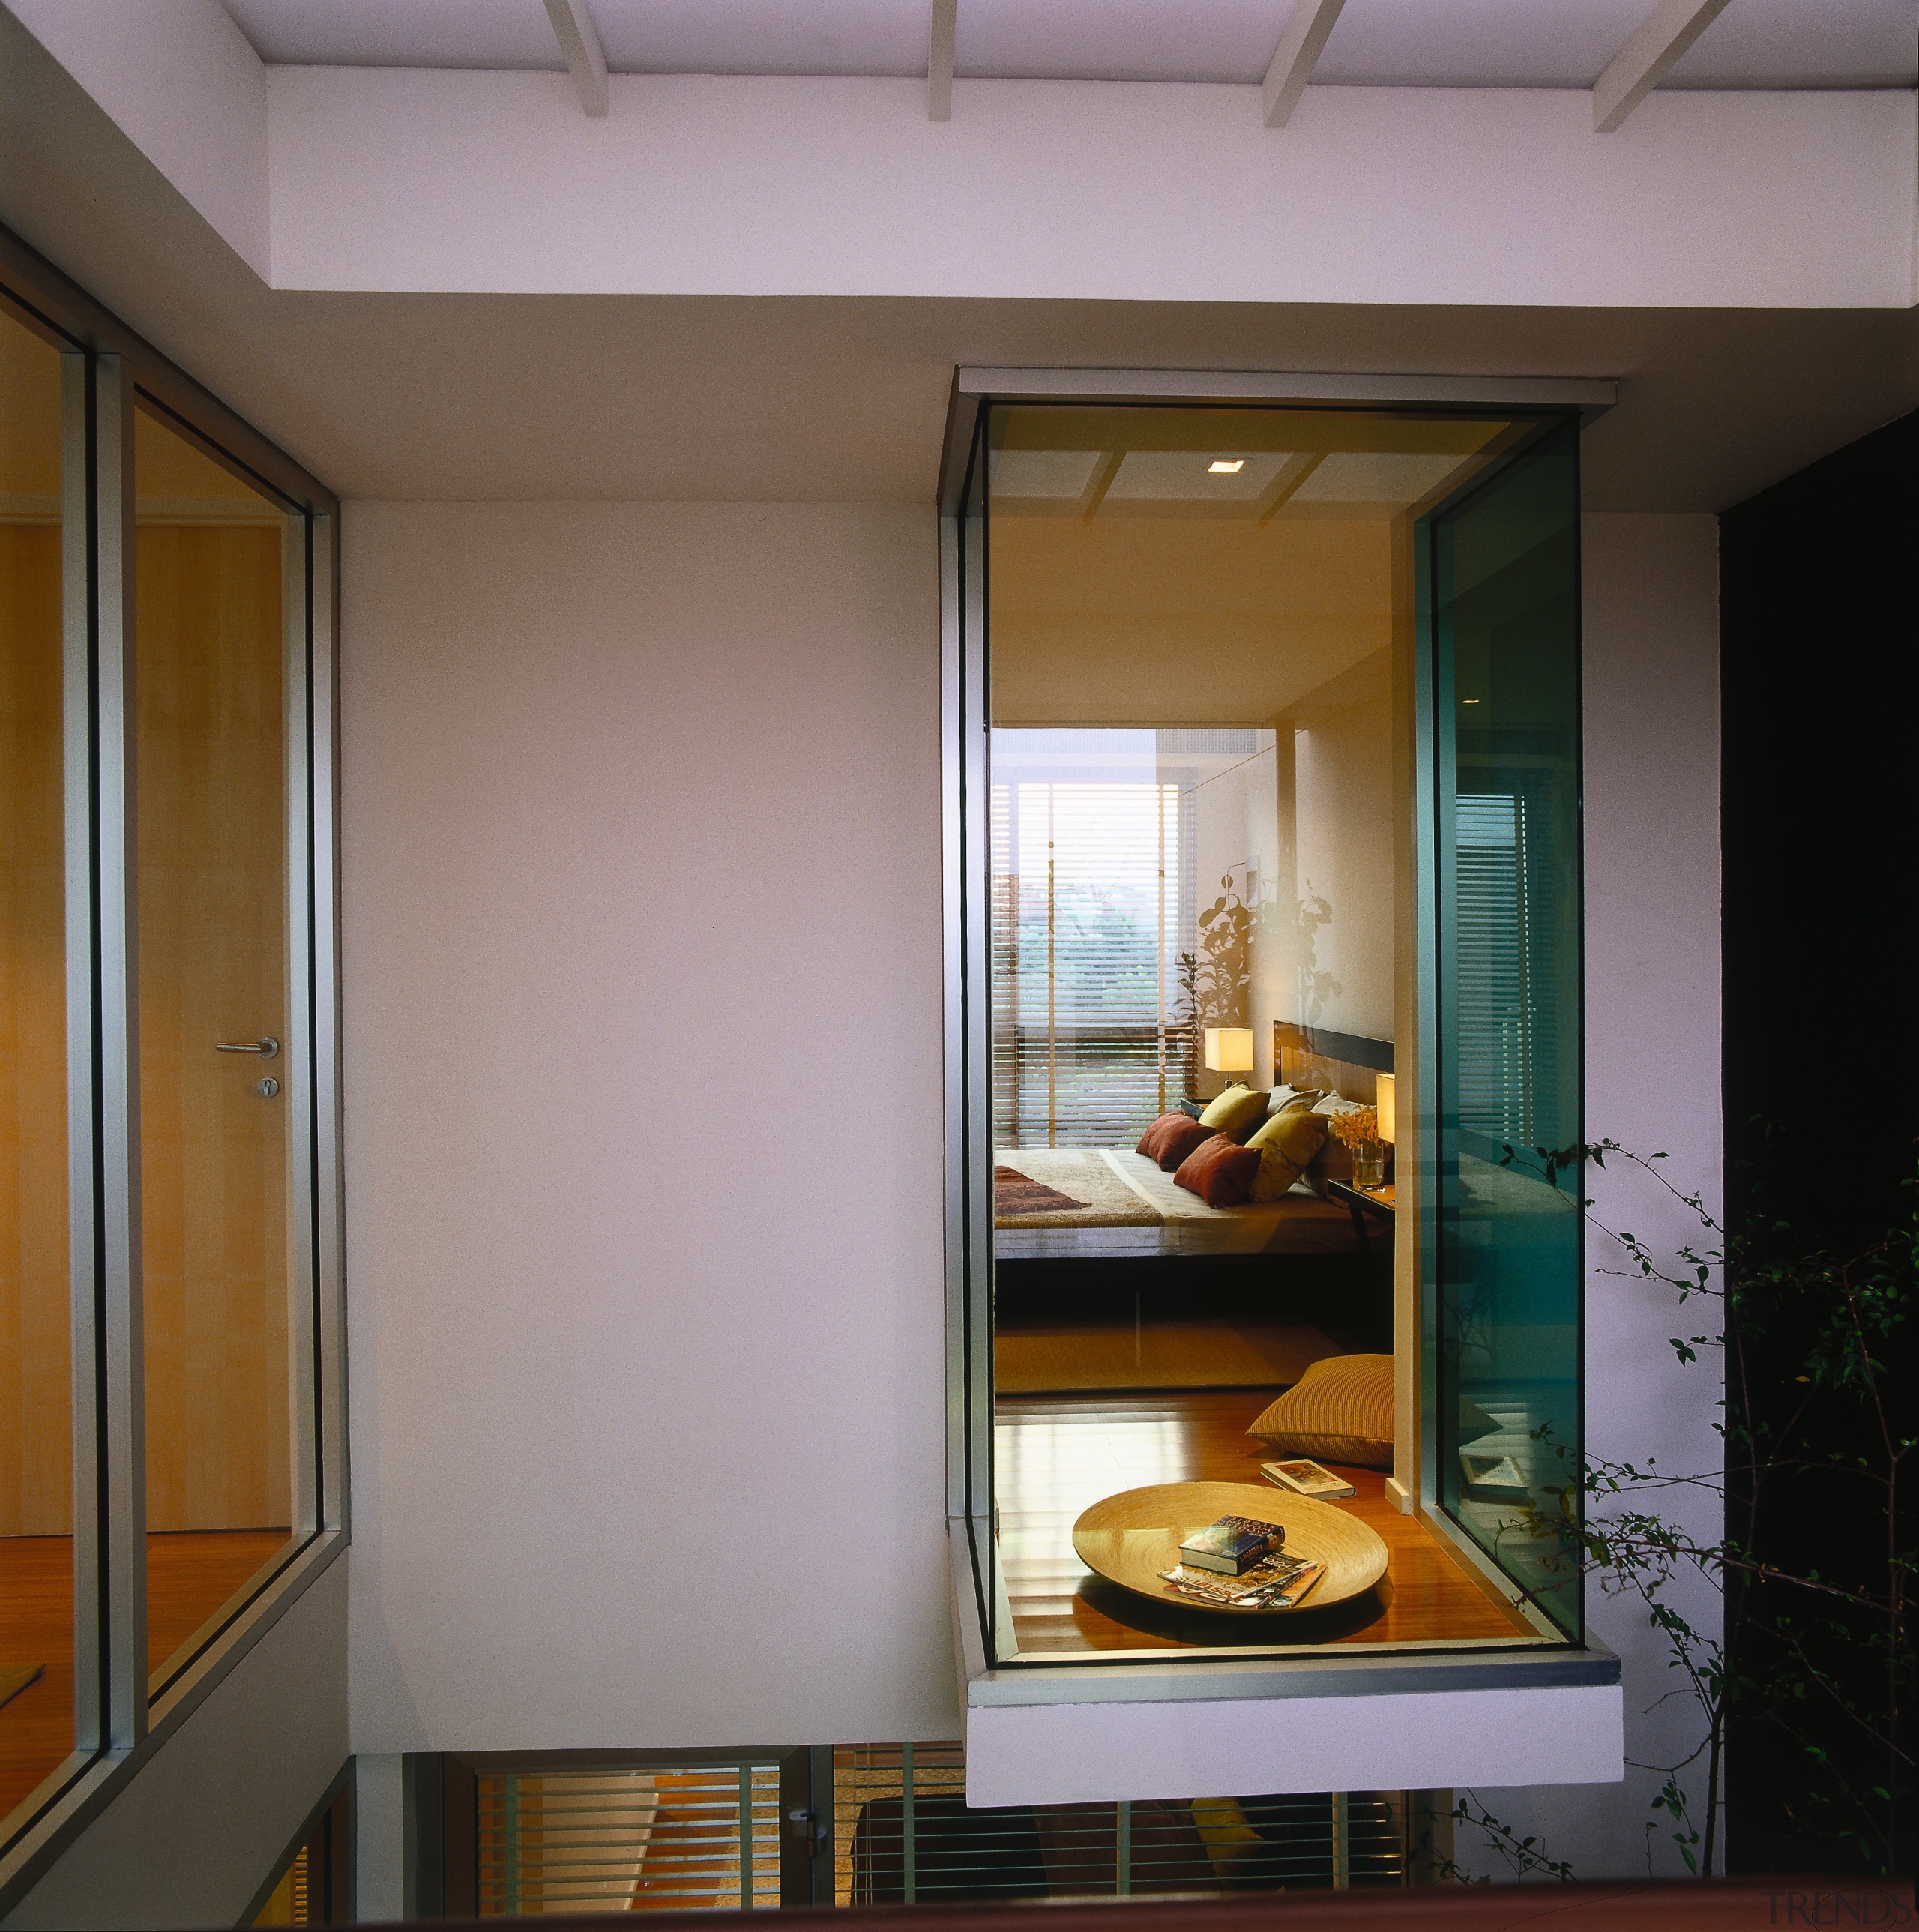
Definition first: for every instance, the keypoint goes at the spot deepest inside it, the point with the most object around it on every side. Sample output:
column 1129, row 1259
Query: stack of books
column 1239, row 1563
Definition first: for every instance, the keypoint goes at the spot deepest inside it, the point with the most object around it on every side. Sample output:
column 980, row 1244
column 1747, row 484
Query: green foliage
column 1820, row 1655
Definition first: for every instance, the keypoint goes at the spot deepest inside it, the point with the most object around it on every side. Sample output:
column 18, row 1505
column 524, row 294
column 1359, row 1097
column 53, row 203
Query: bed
column 1121, row 1188
column 1108, row 1201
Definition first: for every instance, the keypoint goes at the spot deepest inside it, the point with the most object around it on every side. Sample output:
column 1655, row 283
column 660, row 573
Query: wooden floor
column 1056, row 1455
column 1037, row 1357
column 190, row 1574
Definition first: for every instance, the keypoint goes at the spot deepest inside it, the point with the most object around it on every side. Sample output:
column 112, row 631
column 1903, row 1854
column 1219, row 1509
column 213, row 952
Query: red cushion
column 1172, row 1137
column 1219, row 1171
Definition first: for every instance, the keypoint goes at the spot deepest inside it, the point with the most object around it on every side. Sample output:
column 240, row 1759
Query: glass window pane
column 211, row 764
column 1505, row 693
column 1193, row 840
column 36, row 1416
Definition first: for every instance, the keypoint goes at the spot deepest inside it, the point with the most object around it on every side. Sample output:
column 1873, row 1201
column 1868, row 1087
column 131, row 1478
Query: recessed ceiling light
column 1223, row 468
column 1469, row 700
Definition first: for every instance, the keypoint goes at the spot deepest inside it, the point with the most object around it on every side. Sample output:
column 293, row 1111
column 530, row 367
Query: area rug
column 1016, row 1193
column 1091, row 1192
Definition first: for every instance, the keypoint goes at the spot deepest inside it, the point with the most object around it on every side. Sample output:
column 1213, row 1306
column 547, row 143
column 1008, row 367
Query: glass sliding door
column 216, row 1082
column 37, row 1569
column 172, row 1398
column 1503, row 1250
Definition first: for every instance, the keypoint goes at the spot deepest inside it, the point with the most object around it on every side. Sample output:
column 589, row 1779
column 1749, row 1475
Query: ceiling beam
column 580, row 42
column 1643, row 61
column 939, row 60
column 1300, row 46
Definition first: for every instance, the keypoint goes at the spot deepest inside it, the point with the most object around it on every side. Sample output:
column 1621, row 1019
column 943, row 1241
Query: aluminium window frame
column 978, row 1591
column 124, row 1715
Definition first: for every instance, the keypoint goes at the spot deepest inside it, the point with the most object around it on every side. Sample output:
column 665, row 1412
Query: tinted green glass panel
column 1504, row 640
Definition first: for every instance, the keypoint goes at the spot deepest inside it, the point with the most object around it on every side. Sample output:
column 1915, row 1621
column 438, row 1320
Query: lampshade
column 1229, row 1049
column 1384, row 1107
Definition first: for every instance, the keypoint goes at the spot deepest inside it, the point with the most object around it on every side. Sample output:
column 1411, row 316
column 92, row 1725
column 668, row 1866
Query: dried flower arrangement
column 1358, row 1129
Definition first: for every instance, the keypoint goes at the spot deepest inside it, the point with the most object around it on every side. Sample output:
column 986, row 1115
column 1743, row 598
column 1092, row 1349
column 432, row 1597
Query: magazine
column 1277, row 1584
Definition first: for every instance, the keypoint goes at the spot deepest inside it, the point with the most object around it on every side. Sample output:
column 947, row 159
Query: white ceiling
column 531, row 397
column 1786, row 44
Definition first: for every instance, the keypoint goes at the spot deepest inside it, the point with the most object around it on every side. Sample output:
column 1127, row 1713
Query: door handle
column 266, row 1049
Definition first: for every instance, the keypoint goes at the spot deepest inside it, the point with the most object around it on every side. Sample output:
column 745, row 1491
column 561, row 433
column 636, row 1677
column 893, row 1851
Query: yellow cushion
column 1236, row 1113
column 1339, row 1411
column 1286, row 1141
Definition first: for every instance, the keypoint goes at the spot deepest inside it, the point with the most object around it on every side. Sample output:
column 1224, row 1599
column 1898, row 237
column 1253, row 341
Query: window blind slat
column 617, row 1840
column 1086, row 903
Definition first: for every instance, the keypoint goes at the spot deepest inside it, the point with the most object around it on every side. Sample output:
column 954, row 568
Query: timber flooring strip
column 1054, row 1456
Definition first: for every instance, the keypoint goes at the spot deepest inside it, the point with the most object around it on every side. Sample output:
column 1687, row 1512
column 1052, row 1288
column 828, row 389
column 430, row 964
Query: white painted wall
column 1087, row 1753
column 641, row 854
column 392, row 179
column 1343, row 815
column 1651, row 694
column 192, row 1839
column 617, row 774
column 186, row 87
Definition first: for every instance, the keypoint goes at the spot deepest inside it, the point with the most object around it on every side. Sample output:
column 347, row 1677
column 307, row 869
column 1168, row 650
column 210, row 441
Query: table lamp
column 1383, row 1106
column 1229, row 1049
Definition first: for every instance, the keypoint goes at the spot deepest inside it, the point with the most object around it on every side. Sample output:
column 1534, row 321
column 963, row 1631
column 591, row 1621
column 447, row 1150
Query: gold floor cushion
column 1339, row 1411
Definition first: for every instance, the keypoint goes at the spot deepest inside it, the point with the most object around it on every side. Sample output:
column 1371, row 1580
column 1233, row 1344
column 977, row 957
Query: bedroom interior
column 212, row 937
column 1200, row 628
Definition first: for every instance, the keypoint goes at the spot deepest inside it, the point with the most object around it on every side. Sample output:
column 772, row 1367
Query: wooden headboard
column 1341, row 1062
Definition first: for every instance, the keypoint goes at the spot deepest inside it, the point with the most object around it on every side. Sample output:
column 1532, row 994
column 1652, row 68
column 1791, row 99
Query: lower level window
column 871, row 1825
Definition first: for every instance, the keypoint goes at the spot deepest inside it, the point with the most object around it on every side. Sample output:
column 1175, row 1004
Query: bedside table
column 1365, row 1205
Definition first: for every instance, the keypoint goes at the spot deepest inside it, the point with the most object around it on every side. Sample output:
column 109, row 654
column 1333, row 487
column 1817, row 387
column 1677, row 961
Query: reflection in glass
column 211, row 756
column 36, row 1416
column 1506, row 711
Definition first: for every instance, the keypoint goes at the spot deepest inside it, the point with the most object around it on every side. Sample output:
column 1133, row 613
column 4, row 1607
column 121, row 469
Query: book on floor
column 1233, row 1544
column 1306, row 1478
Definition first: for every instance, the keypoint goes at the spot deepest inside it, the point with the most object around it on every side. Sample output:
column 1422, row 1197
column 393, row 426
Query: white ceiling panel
column 1189, row 476
column 1119, row 40
column 400, row 33
column 1805, row 43
column 1568, row 43
column 803, row 37
column 1377, row 43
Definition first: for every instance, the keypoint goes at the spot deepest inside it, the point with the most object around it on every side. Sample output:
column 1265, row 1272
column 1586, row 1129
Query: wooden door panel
column 210, row 760
column 36, row 1435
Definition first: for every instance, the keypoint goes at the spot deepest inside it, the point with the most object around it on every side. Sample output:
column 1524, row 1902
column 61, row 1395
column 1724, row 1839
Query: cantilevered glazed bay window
column 1263, row 1029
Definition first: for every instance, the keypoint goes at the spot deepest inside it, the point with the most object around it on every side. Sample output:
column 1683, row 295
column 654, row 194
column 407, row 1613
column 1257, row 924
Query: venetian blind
column 610, row 1840
column 903, row 1834
column 1085, row 904
column 1494, row 1045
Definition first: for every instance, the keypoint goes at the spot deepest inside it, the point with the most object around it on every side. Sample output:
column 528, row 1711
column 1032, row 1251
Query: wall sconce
column 1229, row 1049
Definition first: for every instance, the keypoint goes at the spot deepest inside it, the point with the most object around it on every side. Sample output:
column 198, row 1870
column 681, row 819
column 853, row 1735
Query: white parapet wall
column 1087, row 1753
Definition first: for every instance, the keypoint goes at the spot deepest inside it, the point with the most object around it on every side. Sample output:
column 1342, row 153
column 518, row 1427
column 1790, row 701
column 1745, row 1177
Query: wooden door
column 211, row 760
column 36, row 1433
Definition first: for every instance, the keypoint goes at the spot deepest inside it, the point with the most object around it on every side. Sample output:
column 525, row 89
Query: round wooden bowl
column 1131, row 1537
